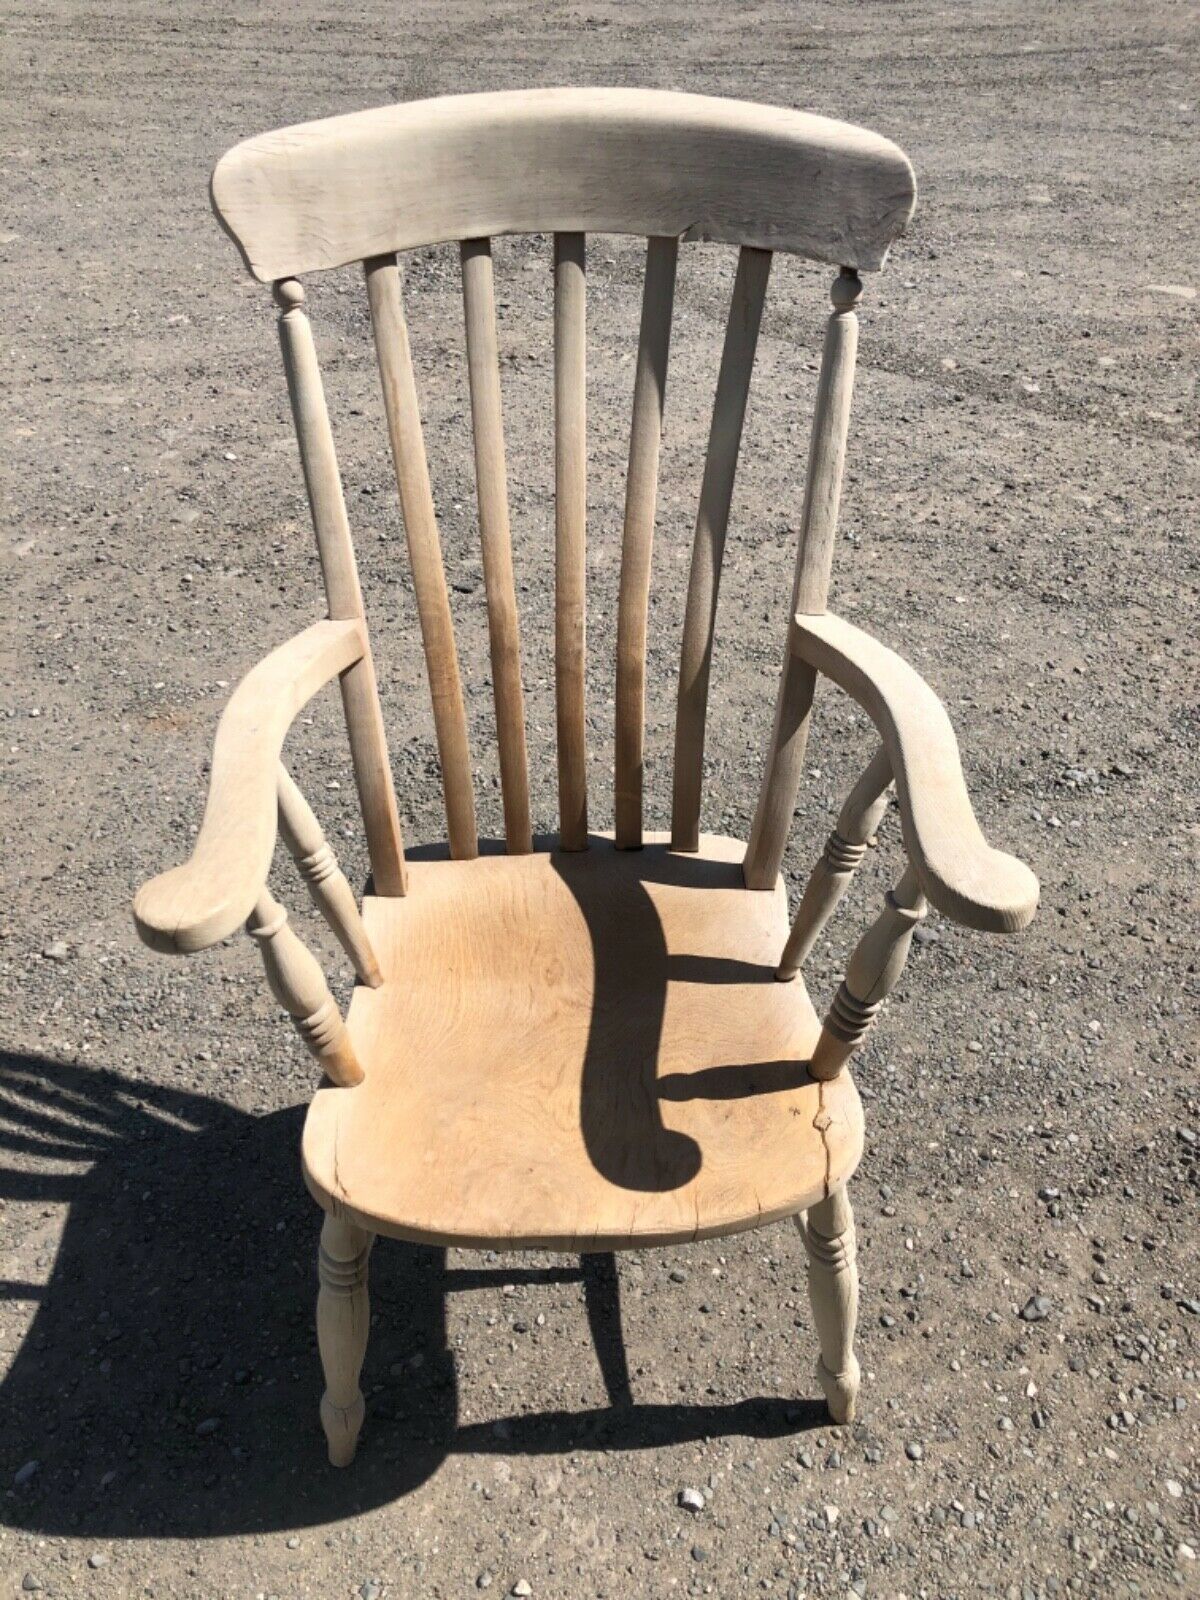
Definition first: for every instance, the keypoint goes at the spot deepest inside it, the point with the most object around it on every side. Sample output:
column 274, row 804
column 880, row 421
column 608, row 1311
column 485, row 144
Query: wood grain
column 483, row 369
column 580, row 1051
column 637, row 543
column 959, row 871
column 579, row 160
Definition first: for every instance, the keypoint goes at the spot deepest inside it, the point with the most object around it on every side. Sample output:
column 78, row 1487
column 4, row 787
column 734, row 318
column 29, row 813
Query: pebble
column 804, row 1457
column 522, row 1588
column 690, row 1499
column 1174, row 1488
column 1036, row 1309
column 209, row 1425
column 30, row 1583
column 23, row 1474
column 914, row 1451
column 56, row 951
column 1185, row 1552
column 831, row 1516
column 1046, row 1192
column 484, row 1580
column 293, row 1543
column 97, row 1559
column 370, row 1590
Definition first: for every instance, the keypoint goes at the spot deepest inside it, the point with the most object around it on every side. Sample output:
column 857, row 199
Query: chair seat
column 581, row 1050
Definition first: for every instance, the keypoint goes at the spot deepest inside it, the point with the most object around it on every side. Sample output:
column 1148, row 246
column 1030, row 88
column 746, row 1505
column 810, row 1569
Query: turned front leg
column 828, row 1233
column 343, row 1323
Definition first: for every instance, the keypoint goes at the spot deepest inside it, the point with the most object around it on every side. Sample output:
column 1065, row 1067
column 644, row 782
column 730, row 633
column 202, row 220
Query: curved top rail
column 958, row 870
column 640, row 161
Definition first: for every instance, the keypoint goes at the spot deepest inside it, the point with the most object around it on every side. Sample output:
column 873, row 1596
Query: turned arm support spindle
column 298, row 983
column 327, row 884
column 844, row 850
column 874, row 969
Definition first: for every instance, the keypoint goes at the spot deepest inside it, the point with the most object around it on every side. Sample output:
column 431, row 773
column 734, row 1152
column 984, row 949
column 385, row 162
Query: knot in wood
column 846, row 290
column 288, row 294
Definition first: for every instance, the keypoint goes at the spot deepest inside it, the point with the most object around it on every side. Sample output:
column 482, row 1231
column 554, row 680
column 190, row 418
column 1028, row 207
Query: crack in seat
column 580, row 1050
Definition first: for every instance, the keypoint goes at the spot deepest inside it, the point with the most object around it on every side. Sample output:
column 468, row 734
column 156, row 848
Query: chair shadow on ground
column 168, row 1382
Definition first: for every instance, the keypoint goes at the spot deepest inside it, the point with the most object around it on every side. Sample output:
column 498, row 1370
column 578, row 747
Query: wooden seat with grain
column 589, row 1041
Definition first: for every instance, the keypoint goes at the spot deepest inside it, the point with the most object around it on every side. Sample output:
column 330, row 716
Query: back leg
column 602, row 1297
column 828, row 1233
column 343, row 1323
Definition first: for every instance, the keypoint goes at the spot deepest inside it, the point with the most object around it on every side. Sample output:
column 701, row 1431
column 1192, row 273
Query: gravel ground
column 1019, row 519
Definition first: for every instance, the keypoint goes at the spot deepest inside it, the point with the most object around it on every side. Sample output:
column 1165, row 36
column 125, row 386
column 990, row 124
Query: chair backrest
column 669, row 167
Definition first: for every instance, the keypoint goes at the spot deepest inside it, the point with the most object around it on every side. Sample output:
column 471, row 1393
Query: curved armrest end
column 210, row 896
column 959, row 871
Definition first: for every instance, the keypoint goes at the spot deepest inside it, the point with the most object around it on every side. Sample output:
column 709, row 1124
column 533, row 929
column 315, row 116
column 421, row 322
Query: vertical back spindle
column 360, row 693
column 570, row 532
column 641, row 491
column 708, row 549
column 818, row 529
column 424, row 549
column 483, row 368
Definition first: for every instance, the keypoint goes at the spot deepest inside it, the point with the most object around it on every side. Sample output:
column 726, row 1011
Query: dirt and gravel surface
column 1020, row 518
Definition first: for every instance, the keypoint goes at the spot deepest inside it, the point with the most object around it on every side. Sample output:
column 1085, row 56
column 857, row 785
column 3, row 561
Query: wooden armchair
column 577, row 1044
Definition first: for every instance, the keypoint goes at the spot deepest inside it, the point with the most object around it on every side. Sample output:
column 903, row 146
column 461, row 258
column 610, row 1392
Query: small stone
column 804, row 1457
column 1185, row 1552
column 57, row 950
column 1174, row 1488
column 691, row 1500
column 833, row 1460
column 1047, row 1193
column 209, row 1425
column 24, row 1474
column 699, row 1553
column 293, row 1543
column 522, row 1588
column 30, row 1583
column 484, row 1581
column 97, row 1559
column 873, row 1454
column 923, row 935
column 370, row 1590
column 914, row 1451
column 1036, row 1309
column 831, row 1516
column 678, row 1275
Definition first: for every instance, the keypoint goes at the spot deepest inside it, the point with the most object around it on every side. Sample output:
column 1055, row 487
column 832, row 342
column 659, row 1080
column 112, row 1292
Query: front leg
column 828, row 1233
column 343, row 1323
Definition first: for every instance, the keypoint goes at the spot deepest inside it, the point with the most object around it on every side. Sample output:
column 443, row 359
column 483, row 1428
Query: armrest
column 210, row 896
column 958, row 870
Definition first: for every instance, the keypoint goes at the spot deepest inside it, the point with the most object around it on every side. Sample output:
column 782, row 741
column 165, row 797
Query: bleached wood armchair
column 577, row 1045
